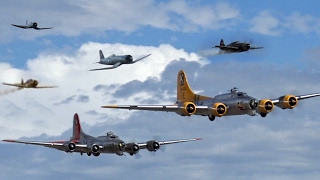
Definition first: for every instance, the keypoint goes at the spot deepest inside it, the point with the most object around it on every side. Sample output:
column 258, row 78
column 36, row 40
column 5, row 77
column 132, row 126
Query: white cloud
column 265, row 23
column 71, row 73
column 268, row 23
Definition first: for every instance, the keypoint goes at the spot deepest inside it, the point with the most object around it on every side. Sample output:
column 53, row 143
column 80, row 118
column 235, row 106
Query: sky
column 179, row 35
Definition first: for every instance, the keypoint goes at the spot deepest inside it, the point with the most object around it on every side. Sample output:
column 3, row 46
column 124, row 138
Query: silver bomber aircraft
column 110, row 143
column 116, row 60
column 30, row 83
column 233, row 103
column 30, row 25
column 236, row 46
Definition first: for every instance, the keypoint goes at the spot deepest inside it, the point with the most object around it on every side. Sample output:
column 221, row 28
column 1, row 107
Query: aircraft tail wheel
column 211, row 117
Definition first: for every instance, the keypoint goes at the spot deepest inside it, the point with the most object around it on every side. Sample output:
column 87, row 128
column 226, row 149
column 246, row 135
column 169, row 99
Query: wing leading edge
column 144, row 145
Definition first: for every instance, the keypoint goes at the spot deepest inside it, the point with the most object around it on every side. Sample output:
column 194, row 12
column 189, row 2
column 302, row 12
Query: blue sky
column 180, row 35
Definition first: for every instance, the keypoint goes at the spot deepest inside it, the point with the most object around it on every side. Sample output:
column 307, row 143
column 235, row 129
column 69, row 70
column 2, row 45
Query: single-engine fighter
column 116, row 60
column 233, row 103
column 30, row 83
column 33, row 25
column 236, row 46
column 110, row 143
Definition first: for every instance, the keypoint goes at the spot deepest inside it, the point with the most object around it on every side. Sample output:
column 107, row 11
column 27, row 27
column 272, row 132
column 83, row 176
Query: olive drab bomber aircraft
column 83, row 143
column 233, row 103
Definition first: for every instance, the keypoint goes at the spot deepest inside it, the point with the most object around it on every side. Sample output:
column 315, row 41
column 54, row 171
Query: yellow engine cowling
column 187, row 109
column 265, row 106
column 288, row 101
column 219, row 109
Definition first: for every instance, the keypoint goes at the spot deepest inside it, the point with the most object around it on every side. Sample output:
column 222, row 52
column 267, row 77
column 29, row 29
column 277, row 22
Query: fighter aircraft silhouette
column 110, row 143
column 233, row 103
column 116, row 60
column 30, row 83
column 33, row 25
column 236, row 46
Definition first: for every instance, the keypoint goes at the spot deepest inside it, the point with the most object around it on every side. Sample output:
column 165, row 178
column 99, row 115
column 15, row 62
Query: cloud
column 273, row 24
column 266, row 24
column 97, row 17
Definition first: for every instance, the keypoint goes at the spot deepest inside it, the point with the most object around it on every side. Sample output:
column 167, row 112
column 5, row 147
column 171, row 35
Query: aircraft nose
column 129, row 58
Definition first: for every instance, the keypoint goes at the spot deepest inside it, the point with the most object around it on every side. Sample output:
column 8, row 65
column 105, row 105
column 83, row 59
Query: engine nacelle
column 287, row 102
column 95, row 148
column 153, row 146
column 35, row 24
column 187, row 109
column 218, row 109
column 132, row 148
column 265, row 106
column 71, row 146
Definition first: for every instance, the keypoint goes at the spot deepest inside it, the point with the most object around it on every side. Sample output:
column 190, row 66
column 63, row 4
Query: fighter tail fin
column 184, row 92
column 101, row 55
column 222, row 43
column 22, row 81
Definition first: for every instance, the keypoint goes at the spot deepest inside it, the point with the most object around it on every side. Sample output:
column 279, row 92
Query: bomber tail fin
column 77, row 131
column 101, row 55
column 184, row 92
column 222, row 43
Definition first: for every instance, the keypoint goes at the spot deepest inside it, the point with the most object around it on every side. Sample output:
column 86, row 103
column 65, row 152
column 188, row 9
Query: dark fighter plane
column 116, row 60
column 110, row 143
column 33, row 25
column 236, row 46
column 233, row 103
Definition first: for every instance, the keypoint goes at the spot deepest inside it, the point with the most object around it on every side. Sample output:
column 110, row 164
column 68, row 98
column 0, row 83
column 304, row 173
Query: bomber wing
column 301, row 97
column 140, row 58
column 19, row 26
column 144, row 145
column 113, row 67
column 166, row 108
column 54, row 144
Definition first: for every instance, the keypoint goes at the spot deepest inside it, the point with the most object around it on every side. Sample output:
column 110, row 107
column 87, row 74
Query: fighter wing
column 256, row 47
column 145, row 145
column 15, row 85
column 227, row 47
column 140, row 58
column 114, row 66
column 19, row 26
column 46, row 87
column 43, row 28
